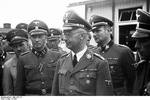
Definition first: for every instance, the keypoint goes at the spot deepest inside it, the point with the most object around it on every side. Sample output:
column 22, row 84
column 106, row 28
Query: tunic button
column 71, row 91
column 71, row 75
column 88, row 75
column 42, row 82
column 44, row 91
column 71, row 83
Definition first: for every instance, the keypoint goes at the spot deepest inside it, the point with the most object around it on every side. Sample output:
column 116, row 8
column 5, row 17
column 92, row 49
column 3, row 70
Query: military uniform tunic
column 142, row 78
column 35, row 72
column 121, row 65
column 91, row 76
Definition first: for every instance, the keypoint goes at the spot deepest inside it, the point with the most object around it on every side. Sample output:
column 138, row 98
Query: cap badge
column 36, row 27
column 21, row 25
column 52, row 30
column 68, row 15
column 36, row 22
column 17, row 37
column 66, row 21
column 89, row 56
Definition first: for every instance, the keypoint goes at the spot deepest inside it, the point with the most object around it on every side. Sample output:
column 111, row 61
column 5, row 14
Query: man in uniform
column 120, row 58
column 2, row 58
column 7, row 49
column 36, row 68
column 18, row 41
column 91, row 47
column 142, row 34
column 80, row 72
column 53, row 40
column 24, row 26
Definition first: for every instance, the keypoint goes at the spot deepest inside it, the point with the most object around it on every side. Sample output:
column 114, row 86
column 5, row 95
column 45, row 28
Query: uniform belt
column 118, row 85
column 39, row 92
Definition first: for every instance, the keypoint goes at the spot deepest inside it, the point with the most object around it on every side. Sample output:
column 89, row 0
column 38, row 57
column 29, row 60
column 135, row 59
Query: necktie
column 74, row 60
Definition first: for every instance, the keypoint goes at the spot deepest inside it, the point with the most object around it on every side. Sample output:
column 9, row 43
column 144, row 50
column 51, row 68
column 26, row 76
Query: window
column 128, row 14
column 127, row 26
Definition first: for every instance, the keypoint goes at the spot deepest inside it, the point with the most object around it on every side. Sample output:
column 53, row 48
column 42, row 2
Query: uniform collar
column 39, row 53
column 107, row 46
column 80, row 54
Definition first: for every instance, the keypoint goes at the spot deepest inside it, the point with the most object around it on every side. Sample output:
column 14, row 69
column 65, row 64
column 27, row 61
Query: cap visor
column 140, row 34
column 53, row 37
column 17, row 41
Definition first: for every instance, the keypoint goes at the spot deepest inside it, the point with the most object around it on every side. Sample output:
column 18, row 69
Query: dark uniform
column 142, row 34
column 54, row 38
column 120, row 58
column 14, row 36
column 35, row 69
column 22, row 26
column 91, row 75
column 2, row 58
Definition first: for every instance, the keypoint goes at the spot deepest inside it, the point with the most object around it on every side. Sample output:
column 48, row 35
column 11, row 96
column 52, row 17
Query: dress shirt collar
column 79, row 54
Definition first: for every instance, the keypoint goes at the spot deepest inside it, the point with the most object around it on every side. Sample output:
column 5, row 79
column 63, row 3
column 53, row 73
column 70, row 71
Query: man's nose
column 37, row 39
column 64, row 38
column 94, row 33
column 18, row 48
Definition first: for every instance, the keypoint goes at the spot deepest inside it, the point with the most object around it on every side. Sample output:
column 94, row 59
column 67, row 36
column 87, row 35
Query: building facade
column 121, row 12
column 6, row 28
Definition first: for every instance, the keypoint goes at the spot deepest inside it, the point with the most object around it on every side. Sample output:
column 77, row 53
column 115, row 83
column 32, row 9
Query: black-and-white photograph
column 57, row 48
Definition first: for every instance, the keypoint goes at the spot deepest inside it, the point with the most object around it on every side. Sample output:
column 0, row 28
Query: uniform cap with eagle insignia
column 72, row 20
column 54, row 33
column 97, row 20
column 38, row 27
column 143, row 26
column 16, row 35
column 22, row 26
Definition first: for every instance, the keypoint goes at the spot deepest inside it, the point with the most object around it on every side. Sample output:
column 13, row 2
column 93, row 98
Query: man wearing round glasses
column 80, row 72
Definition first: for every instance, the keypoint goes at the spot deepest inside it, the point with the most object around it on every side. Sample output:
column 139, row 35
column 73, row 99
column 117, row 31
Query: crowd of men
column 35, row 64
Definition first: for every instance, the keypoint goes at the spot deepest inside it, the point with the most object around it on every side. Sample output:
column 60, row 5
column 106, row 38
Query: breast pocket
column 29, row 70
column 87, row 80
column 51, row 65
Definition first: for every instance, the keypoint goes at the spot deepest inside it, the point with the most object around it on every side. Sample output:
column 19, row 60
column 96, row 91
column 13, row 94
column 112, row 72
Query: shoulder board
column 121, row 45
column 25, row 53
column 11, row 52
column 64, row 55
column 99, row 56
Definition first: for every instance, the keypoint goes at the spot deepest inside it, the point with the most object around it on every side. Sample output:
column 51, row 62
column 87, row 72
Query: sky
column 49, row 11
